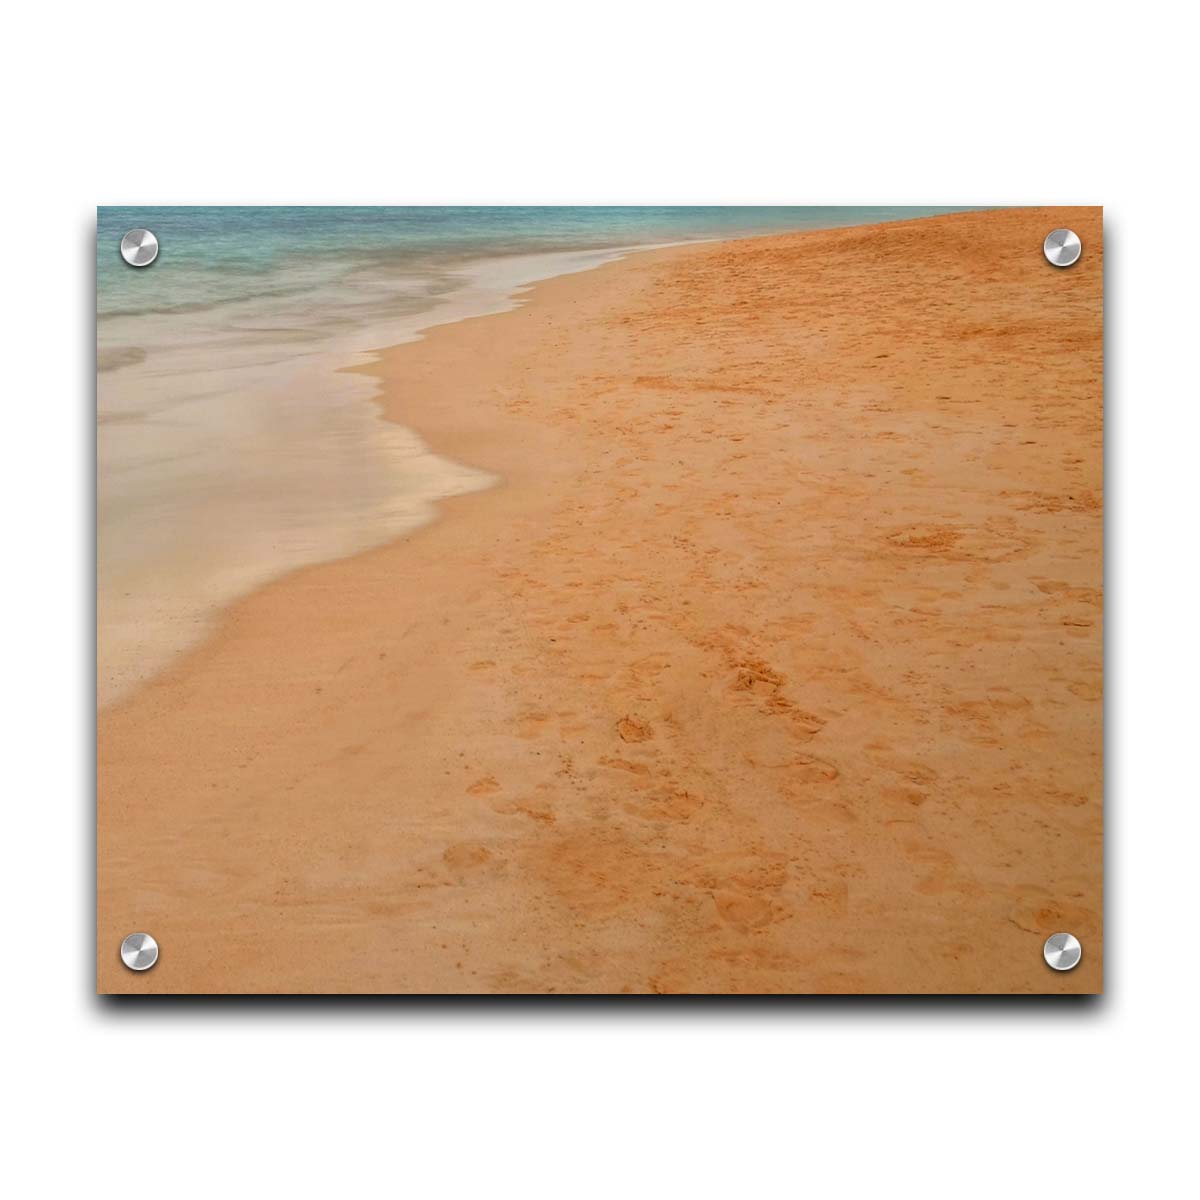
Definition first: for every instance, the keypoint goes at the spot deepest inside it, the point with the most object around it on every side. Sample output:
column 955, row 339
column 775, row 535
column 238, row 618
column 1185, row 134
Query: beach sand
column 774, row 663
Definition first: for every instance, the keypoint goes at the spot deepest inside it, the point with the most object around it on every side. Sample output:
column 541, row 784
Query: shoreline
column 160, row 608
column 571, row 806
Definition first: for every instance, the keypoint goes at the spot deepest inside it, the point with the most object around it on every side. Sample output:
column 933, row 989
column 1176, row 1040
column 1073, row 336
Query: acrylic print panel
column 599, row 601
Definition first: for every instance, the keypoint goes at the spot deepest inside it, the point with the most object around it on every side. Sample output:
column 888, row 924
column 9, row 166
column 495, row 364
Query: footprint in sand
column 535, row 811
column 481, row 787
column 754, row 675
column 831, row 896
column 630, row 729
column 622, row 764
column 913, row 797
column 465, row 854
column 465, row 858
column 757, row 681
column 531, row 724
column 912, row 770
column 1042, row 914
column 1007, row 700
column 805, row 768
column 666, row 806
column 930, row 539
column 743, row 912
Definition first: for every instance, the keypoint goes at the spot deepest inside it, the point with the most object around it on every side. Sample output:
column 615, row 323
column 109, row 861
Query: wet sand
column 232, row 446
column 774, row 663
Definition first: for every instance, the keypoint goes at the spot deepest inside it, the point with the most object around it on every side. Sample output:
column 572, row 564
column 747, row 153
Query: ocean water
column 232, row 448
column 213, row 255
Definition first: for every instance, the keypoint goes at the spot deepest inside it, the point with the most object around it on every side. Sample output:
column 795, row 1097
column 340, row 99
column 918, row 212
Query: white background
column 1003, row 103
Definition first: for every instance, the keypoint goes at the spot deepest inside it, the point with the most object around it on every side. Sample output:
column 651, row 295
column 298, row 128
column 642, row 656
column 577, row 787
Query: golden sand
column 773, row 665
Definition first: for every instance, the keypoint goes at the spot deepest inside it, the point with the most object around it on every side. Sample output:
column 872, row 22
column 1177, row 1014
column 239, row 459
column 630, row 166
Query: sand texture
column 773, row 664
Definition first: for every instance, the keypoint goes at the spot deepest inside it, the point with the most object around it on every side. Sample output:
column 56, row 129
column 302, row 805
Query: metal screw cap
column 1062, row 247
column 139, row 952
column 1062, row 951
column 139, row 247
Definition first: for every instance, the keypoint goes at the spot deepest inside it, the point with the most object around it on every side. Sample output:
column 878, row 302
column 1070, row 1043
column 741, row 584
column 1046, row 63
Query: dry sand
column 773, row 665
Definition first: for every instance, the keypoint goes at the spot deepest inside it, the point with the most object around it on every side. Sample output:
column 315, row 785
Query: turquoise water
column 215, row 255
